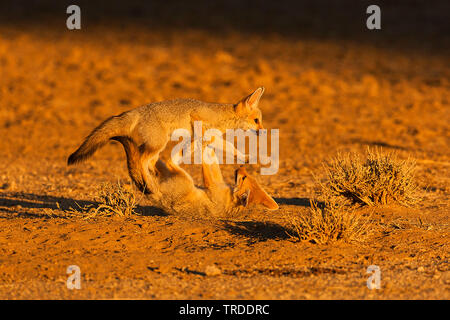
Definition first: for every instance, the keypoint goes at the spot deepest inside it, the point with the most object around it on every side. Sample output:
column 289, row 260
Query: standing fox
column 149, row 127
column 181, row 196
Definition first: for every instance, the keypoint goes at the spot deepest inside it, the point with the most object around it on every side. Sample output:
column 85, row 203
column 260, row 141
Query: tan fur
column 150, row 127
column 177, row 193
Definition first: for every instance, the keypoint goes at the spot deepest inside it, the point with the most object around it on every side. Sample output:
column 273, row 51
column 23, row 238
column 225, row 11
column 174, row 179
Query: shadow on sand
column 301, row 202
column 260, row 231
column 9, row 201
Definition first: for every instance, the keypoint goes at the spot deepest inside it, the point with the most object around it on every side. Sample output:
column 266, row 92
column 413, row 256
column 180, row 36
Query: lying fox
column 177, row 193
column 150, row 127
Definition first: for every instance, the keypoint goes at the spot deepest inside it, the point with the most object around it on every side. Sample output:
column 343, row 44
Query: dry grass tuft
column 329, row 222
column 115, row 200
column 379, row 179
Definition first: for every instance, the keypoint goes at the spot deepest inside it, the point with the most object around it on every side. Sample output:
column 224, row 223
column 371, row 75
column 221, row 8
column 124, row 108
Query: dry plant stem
column 115, row 200
column 380, row 179
column 329, row 224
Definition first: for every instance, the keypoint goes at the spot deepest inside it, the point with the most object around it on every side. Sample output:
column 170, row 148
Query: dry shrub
column 329, row 222
column 115, row 200
column 379, row 179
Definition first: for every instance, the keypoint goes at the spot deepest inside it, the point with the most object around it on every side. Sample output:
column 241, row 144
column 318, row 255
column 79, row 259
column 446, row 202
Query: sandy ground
column 325, row 96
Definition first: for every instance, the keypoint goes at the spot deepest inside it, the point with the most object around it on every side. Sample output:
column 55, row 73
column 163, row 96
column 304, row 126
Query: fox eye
column 256, row 120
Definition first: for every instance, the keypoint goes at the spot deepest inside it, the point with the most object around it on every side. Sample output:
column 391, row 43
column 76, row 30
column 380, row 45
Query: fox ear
column 264, row 199
column 250, row 102
column 259, row 196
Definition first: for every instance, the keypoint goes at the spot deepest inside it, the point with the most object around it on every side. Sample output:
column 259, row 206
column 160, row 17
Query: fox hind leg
column 148, row 160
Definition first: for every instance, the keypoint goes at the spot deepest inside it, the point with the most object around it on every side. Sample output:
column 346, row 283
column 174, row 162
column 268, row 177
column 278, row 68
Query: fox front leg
column 224, row 146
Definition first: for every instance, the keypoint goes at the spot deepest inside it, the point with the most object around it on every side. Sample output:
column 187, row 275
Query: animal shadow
column 302, row 202
column 260, row 231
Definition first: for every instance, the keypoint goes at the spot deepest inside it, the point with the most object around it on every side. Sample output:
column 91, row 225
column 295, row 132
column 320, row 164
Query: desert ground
column 329, row 91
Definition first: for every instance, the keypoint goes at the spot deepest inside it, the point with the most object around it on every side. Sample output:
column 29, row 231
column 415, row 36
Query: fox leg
column 138, row 161
column 229, row 148
column 147, row 166
column 134, row 158
column 210, row 166
column 212, row 175
column 173, row 164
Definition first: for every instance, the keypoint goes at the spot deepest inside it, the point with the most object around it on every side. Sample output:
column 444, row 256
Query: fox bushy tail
column 111, row 127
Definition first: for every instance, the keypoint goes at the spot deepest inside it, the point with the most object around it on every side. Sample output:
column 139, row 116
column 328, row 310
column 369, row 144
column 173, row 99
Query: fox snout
column 257, row 132
column 259, row 126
